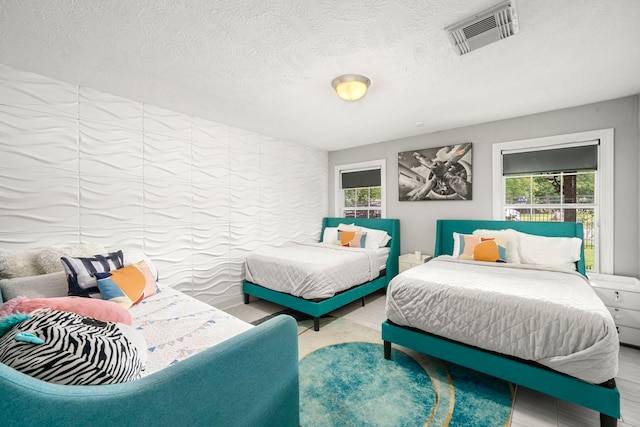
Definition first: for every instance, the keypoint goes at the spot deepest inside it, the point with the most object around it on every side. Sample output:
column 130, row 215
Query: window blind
column 584, row 157
column 363, row 178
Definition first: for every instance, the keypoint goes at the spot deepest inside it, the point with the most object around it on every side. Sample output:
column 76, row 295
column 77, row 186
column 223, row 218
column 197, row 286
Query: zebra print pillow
column 77, row 350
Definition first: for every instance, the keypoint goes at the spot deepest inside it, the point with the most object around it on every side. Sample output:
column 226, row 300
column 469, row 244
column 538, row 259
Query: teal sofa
column 248, row 380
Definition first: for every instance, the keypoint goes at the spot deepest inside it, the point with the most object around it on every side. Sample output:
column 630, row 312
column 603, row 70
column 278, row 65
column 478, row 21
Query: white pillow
column 510, row 235
column 376, row 238
column 456, row 244
column 349, row 227
column 330, row 235
column 132, row 256
column 542, row 250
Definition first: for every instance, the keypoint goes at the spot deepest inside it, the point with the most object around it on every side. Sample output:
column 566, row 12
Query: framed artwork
column 439, row 173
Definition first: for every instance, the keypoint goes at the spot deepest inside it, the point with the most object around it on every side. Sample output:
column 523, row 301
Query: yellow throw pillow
column 482, row 248
column 352, row 239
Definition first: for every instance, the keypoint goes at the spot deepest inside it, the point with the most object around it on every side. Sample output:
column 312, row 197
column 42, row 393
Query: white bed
column 508, row 313
column 176, row 326
column 314, row 270
column 318, row 278
column 546, row 315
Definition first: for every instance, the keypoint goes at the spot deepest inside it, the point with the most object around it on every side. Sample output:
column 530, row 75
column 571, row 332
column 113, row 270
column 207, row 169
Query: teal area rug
column 351, row 384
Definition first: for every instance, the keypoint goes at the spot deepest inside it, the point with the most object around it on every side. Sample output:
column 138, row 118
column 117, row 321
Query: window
column 360, row 190
column 561, row 178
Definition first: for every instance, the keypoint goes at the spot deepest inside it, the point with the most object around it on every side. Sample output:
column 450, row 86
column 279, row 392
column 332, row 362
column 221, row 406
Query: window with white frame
column 360, row 190
column 562, row 178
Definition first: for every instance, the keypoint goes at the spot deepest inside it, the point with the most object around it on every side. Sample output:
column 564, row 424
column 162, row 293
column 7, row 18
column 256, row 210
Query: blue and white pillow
column 81, row 272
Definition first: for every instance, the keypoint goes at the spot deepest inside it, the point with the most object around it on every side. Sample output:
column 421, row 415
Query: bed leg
column 316, row 324
column 608, row 421
column 387, row 350
column 363, row 301
column 246, row 298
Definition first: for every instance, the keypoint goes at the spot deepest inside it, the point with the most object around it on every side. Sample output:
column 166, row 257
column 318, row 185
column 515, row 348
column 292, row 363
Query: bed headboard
column 446, row 227
column 391, row 226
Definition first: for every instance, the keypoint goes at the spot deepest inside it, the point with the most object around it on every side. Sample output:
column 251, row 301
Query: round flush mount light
column 351, row 87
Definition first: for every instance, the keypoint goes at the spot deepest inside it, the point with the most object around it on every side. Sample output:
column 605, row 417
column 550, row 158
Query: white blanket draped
column 311, row 270
column 549, row 316
column 176, row 326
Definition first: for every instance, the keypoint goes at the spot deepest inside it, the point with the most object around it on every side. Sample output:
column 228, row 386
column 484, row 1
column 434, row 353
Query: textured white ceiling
column 267, row 65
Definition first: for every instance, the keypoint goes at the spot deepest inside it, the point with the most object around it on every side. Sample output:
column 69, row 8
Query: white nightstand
column 408, row 261
column 621, row 295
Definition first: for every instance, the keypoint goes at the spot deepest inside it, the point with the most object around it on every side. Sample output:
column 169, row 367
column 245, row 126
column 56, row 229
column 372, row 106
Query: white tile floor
column 531, row 409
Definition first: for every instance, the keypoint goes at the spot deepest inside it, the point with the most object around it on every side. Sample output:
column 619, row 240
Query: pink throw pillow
column 106, row 311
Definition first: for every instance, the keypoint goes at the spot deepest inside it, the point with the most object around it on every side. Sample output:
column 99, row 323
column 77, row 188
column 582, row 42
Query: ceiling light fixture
column 351, row 87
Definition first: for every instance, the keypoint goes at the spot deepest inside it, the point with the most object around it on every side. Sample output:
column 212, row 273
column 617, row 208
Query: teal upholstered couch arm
column 248, row 380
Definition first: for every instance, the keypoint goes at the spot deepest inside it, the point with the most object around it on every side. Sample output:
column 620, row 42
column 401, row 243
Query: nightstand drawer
column 408, row 261
column 617, row 298
column 403, row 266
column 629, row 335
column 625, row 317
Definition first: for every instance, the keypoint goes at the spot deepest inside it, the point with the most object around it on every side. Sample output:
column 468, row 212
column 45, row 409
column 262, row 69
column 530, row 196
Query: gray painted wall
column 418, row 219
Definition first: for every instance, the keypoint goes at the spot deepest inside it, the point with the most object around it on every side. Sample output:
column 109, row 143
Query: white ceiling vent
column 490, row 25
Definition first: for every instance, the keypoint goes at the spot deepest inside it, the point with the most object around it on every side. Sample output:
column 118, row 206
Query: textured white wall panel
column 166, row 157
column 317, row 159
column 211, row 174
column 110, row 203
column 167, row 203
column 170, row 249
column 244, row 205
column 271, row 146
column 211, row 203
column 243, row 141
column 272, row 173
column 79, row 165
column 317, row 183
column 211, row 244
column 37, row 93
column 244, row 159
column 243, row 239
column 210, row 153
column 272, row 204
column 214, row 286
column 206, row 130
column 106, row 150
column 211, row 278
column 162, row 121
column 125, row 237
column 106, row 108
column 49, row 236
column 38, row 199
column 33, row 139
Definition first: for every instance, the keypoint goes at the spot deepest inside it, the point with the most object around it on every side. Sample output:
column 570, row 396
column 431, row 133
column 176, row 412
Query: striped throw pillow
column 81, row 272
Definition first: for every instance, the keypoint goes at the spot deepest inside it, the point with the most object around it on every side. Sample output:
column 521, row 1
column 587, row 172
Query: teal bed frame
column 603, row 398
column 316, row 309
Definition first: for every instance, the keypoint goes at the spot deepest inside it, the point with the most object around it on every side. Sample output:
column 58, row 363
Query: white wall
column 417, row 219
column 79, row 166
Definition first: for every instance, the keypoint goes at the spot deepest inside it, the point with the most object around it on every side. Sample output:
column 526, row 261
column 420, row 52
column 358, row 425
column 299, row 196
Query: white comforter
column 311, row 270
column 176, row 326
column 549, row 316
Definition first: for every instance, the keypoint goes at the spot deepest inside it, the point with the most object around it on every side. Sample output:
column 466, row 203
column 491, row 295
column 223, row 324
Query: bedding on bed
column 312, row 270
column 177, row 326
column 548, row 315
column 383, row 255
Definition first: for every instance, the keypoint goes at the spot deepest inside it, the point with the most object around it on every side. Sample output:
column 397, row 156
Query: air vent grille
column 488, row 26
column 475, row 29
